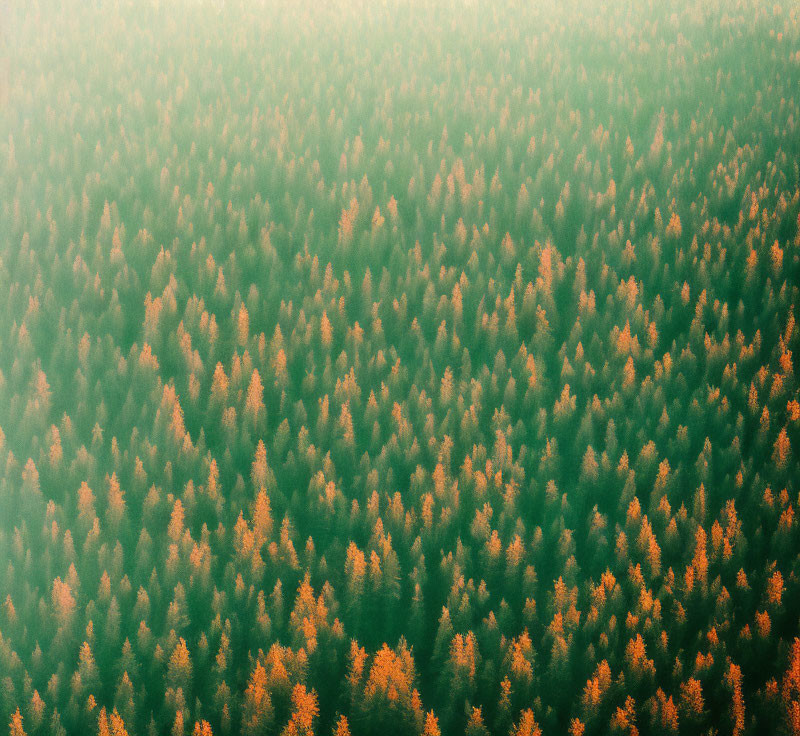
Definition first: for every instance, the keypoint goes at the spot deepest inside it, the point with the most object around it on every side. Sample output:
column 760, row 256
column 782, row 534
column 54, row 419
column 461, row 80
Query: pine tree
column 254, row 410
column 179, row 669
column 257, row 712
column 15, row 726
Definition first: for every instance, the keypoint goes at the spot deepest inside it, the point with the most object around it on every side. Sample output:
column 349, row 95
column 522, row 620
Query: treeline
column 415, row 370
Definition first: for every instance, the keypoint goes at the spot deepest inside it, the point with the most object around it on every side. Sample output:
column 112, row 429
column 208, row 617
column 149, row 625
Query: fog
column 399, row 368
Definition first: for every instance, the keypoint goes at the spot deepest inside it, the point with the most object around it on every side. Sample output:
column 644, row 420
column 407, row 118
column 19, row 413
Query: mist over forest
column 411, row 367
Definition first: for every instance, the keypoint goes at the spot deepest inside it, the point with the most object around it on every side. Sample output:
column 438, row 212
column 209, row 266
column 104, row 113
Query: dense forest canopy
column 402, row 367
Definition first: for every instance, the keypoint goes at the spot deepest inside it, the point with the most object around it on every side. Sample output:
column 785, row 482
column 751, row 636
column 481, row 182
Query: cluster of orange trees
column 402, row 367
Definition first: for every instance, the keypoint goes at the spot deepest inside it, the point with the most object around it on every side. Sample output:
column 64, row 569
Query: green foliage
column 416, row 368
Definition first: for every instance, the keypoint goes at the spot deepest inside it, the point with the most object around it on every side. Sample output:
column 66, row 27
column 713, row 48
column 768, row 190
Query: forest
column 413, row 367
